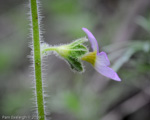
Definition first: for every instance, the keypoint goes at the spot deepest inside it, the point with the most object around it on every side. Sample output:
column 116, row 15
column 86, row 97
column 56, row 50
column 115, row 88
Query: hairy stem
column 49, row 49
column 37, row 60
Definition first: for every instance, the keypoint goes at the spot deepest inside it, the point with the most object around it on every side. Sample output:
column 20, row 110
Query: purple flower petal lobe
column 102, row 59
column 92, row 39
column 108, row 72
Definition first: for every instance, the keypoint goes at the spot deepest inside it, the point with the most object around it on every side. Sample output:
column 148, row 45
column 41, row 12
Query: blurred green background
column 122, row 28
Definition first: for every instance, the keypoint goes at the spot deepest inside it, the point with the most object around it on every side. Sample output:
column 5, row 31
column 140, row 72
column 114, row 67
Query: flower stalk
column 37, row 59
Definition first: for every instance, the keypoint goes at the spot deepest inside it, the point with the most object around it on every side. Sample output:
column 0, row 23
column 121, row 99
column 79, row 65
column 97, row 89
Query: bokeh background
column 122, row 28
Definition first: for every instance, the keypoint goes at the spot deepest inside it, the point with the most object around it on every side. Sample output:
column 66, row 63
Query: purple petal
column 102, row 59
column 92, row 39
column 108, row 72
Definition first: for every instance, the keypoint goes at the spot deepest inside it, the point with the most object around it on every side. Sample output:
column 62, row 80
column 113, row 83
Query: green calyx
column 70, row 52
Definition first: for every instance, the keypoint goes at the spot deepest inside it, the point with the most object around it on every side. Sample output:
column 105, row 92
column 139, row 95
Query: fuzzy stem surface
column 37, row 60
column 50, row 49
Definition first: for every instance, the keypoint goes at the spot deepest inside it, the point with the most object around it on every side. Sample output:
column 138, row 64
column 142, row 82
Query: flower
column 100, row 60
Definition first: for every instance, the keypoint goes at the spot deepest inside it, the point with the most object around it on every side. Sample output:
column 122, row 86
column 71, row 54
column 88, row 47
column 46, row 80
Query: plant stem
column 37, row 60
column 50, row 49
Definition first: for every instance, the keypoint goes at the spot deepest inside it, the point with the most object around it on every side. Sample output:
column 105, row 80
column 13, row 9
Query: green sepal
column 78, row 41
column 75, row 64
column 78, row 51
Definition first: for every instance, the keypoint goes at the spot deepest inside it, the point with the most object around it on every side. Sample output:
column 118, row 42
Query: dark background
column 122, row 29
